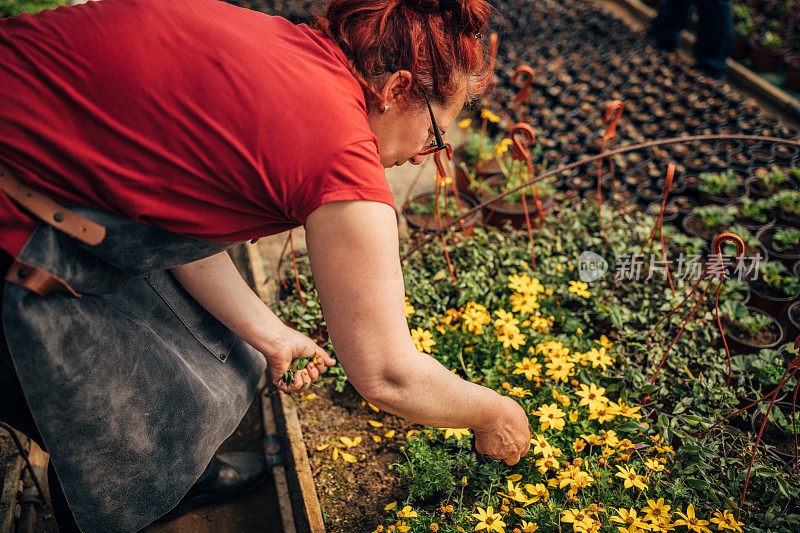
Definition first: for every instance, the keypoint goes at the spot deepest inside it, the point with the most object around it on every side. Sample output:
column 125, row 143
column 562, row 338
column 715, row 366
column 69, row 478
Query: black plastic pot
column 791, row 323
column 757, row 191
column 741, row 191
column 430, row 223
column 671, row 211
column 773, row 305
column 787, row 258
column 788, row 219
column 742, row 346
column 782, row 444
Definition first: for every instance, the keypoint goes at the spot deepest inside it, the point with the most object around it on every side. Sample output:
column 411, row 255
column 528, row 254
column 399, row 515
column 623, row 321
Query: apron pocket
column 203, row 326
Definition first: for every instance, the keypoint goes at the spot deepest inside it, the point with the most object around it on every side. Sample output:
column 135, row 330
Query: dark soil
column 695, row 226
column 783, row 443
column 352, row 495
column 763, row 337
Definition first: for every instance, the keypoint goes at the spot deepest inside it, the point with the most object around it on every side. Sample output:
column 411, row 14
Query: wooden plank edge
column 301, row 489
column 278, row 471
column 308, row 511
column 738, row 74
column 12, row 485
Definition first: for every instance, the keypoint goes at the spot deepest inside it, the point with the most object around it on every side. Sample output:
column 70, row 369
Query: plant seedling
column 775, row 275
column 717, row 184
column 740, row 316
column 296, row 366
column 771, row 180
column 785, row 239
column 788, row 201
column 716, row 216
column 756, row 210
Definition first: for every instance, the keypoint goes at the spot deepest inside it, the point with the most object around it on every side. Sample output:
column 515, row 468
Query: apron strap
column 37, row 280
column 49, row 212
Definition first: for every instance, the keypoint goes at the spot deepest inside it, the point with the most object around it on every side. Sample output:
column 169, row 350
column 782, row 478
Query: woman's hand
column 284, row 348
column 507, row 437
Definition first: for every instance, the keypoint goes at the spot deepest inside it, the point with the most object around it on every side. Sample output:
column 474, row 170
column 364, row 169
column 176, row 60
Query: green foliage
column 755, row 210
column 719, row 183
column 785, row 239
column 788, row 201
column 741, row 317
column 446, row 205
column 11, row 8
column 771, row 180
column 775, row 275
column 716, row 216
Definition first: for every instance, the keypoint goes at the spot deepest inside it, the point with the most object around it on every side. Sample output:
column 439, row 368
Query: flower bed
column 610, row 450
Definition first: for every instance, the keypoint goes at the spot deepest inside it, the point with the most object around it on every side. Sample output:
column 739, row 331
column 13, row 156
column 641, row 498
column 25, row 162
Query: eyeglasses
column 437, row 143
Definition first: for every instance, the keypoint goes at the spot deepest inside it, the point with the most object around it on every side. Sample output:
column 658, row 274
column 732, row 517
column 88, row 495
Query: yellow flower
column 406, row 512
column 546, row 463
column 691, row 522
column 528, row 527
column 580, row 288
column 629, row 518
column 457, row 433
column 654, row 465
column 550, row 417
column 513, row 339
column 434, row 527
column 375, row 424
column 502, row 147
column 559, row 369
column 631, row 478
column 519, row 392
column 529, row 366
column 409, row 308
column 599, row 358
column 538, row 493
column 726, row 520
column 573, row 515
column 423, row 339
column 524, row 303
column 488, row 520
column 402, row 527
column 561, row 398
column 488, row 115
column 525, row 284
column 604, row 342
column 348, row 457
column 593, row 439
column 578, row 445
column 513, row 492
column 656, row 512
column 464, row 124
column 592, row 396
column 505, row 319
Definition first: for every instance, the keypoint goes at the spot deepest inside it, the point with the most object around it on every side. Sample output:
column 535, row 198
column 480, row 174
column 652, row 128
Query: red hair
column 437, row 41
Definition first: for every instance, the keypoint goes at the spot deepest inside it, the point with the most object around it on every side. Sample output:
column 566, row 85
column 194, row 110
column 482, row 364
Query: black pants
column 14, row 411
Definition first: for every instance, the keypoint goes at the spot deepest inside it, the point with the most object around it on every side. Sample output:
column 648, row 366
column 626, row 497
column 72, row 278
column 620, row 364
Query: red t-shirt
column 198, row 116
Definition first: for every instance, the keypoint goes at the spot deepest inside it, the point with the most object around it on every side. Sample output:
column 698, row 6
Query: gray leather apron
column 133, row 385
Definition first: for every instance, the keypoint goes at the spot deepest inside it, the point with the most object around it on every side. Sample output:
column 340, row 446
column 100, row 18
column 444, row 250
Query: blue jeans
column 714, row 30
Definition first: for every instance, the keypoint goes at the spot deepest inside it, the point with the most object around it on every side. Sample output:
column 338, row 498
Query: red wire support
column 526, row 74
column 613, row 114
column 522, row 154
column 718, row 274
column 441, row 187
column 790, row 371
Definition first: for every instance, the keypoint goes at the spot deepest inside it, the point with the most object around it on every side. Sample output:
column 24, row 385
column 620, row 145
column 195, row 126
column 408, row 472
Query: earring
column 384, row 109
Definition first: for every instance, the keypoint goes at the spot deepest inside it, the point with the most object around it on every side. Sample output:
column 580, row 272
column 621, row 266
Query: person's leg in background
column 714, row 36
column 14, row 411
column 673, row 16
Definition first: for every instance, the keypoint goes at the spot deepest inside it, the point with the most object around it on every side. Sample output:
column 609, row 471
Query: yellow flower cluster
column 423, row 339
column 581, row 288
column 475, row 316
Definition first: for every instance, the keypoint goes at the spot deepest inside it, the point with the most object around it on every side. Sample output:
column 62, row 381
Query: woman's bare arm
column 217, row 285
column 354, row 257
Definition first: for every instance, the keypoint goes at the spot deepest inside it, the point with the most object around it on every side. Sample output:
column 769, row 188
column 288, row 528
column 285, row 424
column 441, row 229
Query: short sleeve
column 351, row 173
